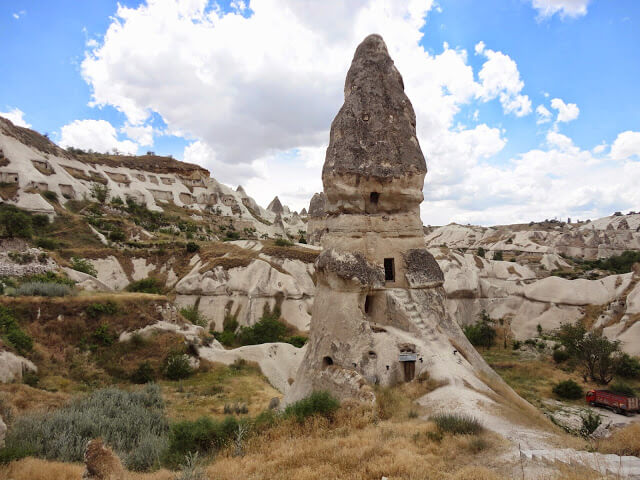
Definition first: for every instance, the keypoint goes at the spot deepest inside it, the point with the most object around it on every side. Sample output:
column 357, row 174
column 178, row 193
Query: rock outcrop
column 379, row 315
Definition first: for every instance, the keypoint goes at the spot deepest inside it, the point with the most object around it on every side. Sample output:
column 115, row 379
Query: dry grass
column 207, row 392
column 19, row 398
column 37, row 469
column 625, row 441
column 292, row 253
column 8, row 190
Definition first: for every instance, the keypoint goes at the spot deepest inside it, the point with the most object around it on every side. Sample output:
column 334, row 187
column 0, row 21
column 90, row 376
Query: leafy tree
column 597, row 354
column 15, row 223
column 481, row 252
column 568, row 389
column 497, row 255
column 628, row 366
column 481, row 334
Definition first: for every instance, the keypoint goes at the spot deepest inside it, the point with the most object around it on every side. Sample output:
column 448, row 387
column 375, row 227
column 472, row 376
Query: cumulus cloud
column 97, row 135
column 567, row 112
column 626, row 145
column 16, row 116
column 544, row 115
column 565, row 8
column 500, row 78
column 256, row 106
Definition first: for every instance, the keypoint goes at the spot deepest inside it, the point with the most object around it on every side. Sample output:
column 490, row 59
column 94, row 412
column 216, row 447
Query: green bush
column 622, row 388
column 146, row 285
column 99, row 192
column 11, row 332
column 83, row 265
column 226, row 338
column 318, row 403
column 560, row 355
column 203, row 435
column 590, row 423
column 628, row 366
column 497, row 255
column 46, row 243
column 618, row 263
column 103, row 335
column 50, row 195
column 15, row 223
column 42, row 289
column 568, row 389
column 143, row 374
column 40, row 221
column 192, row 247
column 268, row 329
column 117, row 235
column 177, row 366
column 481, row 334
column 49, row 277
column 481, row 252
column 297, row 340
column 132, row 423
column 96, row 310
column 193, row 315
column 282, row 242
column 457, row 424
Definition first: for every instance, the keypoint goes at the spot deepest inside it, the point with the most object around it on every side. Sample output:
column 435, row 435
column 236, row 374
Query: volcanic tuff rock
column 379, row 315
column 33, row 164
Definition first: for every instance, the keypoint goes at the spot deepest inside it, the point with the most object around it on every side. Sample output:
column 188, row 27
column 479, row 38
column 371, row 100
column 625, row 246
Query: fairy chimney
column 379, row 315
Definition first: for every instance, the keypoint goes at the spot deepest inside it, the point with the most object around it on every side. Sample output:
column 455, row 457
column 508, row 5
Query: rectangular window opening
column 367, row 304
column 374, row 197
column 389, row 270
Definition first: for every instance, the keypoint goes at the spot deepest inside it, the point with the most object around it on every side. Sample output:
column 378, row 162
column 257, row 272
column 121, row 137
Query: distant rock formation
column 275, row 206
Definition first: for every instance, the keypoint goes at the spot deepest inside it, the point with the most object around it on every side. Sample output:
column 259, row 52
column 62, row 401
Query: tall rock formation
column 379, row 313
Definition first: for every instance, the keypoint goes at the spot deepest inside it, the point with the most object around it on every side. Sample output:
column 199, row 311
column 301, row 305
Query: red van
column 616, row 402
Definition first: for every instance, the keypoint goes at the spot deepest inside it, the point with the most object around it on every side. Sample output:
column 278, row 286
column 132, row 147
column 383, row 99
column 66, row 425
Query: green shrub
column 193, row 315
column 282, row 242
column 15, row 223
column 146, row 285
column 143, row 374
column 11, row 332
column 50, row 195
column 622, row 388
column 225, row 337
column 481, row 334
column 516, row 344
column 83, row 265
column 203, row 435
column 497, row 255
column 481, row 252
column 568, row 389
column 132, row 423
column 30, row 378
column 177, row 366
column 95, row 310
column 318, row 403
column 46, row 243
column 103, row 335
column 117, row 201
column 42, row 289
column 560, row 355
column 628, row 366
column 268, row 329
column 297, row 340
column 99, row 192
column 49, row 277
column 40, row 221
column 590, row 423
column 117, row 235
column 192, row 247
column 457, row 424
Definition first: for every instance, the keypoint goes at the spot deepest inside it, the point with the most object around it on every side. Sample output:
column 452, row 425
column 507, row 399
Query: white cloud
column 16, row 116
column 479, row 48
column 97, row 135
column 566, row 111
column 500, row 78
column 566, row 8
column 598, row 149
column 143, row 135
column 544, row 115
column 19, row 14
column 626, row 145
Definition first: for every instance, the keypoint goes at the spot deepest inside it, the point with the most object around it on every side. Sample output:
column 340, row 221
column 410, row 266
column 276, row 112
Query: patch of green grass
column 318, row 403
column 457, row 424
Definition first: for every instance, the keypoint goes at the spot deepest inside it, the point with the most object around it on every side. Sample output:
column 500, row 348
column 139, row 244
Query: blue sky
column 229, row 86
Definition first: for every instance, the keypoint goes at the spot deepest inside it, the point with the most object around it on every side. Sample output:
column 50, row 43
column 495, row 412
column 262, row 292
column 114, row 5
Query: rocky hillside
column 31, row 165
column 600, row 238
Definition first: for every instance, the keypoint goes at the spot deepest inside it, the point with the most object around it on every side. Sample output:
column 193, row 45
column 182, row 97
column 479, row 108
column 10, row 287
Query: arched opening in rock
column 327, row 362
column 389, row 270
column 373, row 355
column 368, row 302
column 374, row 197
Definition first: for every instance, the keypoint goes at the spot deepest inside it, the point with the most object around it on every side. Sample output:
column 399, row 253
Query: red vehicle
column 616, row 402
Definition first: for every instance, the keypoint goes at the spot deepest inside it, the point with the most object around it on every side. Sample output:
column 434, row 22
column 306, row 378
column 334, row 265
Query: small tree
column 497, row 255
column 481, row 252
column 14, row 223
column 597, row 354
column 99, row 192
column 481, row 334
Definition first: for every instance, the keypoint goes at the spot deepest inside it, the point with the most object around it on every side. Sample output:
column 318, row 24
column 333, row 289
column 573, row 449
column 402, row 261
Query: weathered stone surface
column 101, row 463
column 373, row 134
column 422, row 268
column 350, row 266
column 275, row 206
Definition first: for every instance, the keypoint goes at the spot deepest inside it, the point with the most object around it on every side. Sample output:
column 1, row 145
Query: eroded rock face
column 379, row 314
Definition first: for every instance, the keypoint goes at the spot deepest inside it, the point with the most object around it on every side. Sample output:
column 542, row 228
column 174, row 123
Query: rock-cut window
column 374, row 197
column 389, row 270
